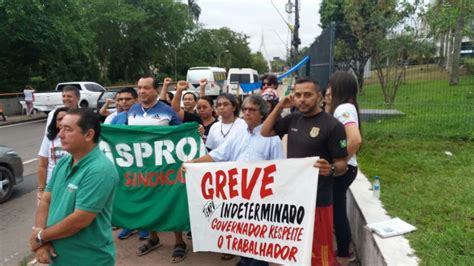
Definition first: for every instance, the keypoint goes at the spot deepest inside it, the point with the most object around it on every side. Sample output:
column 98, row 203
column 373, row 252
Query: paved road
column 17, row 214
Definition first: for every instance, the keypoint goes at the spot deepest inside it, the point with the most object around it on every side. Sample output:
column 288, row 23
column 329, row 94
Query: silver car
column 11, row 171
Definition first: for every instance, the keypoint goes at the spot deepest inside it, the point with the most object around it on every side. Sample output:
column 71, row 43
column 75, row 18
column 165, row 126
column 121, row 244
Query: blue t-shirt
column 120, row 119
column 159, row 114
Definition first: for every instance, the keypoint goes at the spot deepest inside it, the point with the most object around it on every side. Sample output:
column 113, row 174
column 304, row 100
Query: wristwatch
column 39, row 240
column 333, row 170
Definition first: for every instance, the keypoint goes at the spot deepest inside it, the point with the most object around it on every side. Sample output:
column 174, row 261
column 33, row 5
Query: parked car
column 108, row 94
column 11, row 171
column 48, row 101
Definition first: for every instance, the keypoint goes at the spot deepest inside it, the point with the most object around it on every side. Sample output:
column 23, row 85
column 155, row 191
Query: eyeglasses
column 249, row 109
column 223, row 104
column 124, row 99
column 267, row 84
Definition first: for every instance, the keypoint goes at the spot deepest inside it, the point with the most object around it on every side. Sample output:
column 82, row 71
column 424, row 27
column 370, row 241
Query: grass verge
column 429, row 189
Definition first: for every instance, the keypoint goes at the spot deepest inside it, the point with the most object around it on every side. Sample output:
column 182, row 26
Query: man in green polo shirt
column 73, row 220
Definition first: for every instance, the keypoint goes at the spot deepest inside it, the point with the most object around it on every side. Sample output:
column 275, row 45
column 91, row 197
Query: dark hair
column 233, row 100
column 211, row 103
column 88, row 119
column 207, row 99
column 155, row 81
column 73, row 89
column 170, row 95
column 258, row 101
column 130, row 90
column 317, row 87
column 272, row 79
column 344, row 90
column 194, row 95
column 53, row 130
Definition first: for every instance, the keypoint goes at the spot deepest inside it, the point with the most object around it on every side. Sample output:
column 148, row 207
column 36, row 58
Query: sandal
column 179, row 253
column 227, row 256
column 149, row 246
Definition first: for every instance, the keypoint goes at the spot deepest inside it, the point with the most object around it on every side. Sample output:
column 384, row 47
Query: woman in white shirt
column 49, row 156
column 228, row 110
column 342, row 91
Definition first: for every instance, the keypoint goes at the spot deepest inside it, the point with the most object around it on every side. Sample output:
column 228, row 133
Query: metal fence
column 424, row 103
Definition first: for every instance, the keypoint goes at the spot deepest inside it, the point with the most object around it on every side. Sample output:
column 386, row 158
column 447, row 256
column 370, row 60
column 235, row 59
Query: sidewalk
column 162, row 256
column 15, row 119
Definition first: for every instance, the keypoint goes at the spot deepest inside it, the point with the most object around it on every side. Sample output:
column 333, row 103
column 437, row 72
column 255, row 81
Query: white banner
column 263, row 210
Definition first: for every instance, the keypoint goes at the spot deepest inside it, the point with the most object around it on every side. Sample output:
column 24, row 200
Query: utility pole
column 296, row 39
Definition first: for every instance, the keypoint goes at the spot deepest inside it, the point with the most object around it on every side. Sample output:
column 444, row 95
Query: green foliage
column 47, row 39
column 45, row 42
column 259, row 63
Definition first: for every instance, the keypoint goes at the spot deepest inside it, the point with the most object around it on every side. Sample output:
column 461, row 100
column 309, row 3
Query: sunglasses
column 267, row 84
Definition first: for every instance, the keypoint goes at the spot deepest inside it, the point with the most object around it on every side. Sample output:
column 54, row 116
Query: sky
column 251, row 17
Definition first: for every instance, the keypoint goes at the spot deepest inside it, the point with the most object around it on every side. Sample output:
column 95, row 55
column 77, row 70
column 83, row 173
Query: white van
column 240, row 75
column 215, row 76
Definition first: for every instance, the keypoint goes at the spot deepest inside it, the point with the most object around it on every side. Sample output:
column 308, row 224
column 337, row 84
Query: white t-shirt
column 109, row 118
column 347, row 114
column 28, row 95
column 54, row 152
column 219, row 132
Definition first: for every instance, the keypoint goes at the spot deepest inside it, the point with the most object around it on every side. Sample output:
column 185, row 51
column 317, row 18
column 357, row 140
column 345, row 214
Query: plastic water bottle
column 376, row 187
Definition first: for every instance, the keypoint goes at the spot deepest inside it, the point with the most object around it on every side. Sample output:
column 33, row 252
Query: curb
column 363, row 208
column 17, row 121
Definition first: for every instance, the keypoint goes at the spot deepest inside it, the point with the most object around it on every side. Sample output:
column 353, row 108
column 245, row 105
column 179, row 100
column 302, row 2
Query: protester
column 165, row 95
column 126, row 98
column 230, row 123
column 153, row 112
column 50, row 155
column 312, row 132
column 205, row 108
column 71, row 97
column 250, row 146
column 269, row 84
column 342, row 102
column 29, row 99
column 73, row 220
column 187, row 113
column 104, row 110
column 326, row 106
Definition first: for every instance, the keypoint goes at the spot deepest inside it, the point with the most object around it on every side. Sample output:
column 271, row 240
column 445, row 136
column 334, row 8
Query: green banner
column 152, row 192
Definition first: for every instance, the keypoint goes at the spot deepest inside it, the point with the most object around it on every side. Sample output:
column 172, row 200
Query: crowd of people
column 74, row 212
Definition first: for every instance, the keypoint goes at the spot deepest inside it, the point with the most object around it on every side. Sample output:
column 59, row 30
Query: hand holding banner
column 264, row 210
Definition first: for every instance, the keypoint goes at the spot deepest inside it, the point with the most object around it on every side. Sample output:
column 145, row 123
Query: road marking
column 25, row 123
column 30, row 161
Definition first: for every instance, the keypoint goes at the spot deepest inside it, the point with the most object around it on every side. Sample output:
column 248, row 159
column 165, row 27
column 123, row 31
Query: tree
column 136, row 38
column 447, row 21
column 349, row 51
column 48, row 40
column 259, row 63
